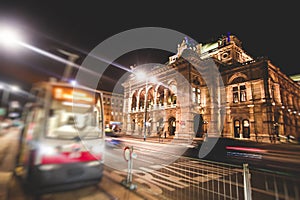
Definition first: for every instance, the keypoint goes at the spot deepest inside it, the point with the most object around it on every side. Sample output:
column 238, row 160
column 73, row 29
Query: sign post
column 128, row 156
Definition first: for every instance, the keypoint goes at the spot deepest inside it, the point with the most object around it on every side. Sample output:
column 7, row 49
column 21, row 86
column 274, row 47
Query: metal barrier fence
column 272, row 185
column 206, row 180
column 188, row 179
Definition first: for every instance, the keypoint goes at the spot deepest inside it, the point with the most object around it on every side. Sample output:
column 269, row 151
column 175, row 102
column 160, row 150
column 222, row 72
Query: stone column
column 252, row 123
column 136, row 126
column 155, row 98
column 137, row 103
column 165, row 97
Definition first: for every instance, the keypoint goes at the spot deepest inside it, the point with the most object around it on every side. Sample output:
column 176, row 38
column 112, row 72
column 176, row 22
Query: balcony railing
column 153, row 107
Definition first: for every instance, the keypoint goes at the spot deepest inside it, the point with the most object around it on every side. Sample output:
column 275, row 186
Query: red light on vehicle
column 246, row 149
column 70, row 157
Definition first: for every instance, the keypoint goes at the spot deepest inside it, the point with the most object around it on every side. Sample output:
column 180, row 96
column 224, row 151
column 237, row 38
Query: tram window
column 67, row 120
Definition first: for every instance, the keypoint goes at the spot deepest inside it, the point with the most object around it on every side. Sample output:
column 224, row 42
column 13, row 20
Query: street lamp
column 9, row 37
column 143, row 76
column 14, row 88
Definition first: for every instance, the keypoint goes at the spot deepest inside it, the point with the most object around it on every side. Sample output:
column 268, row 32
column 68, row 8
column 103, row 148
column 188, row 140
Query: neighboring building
column 113, row 107
column 262, row 103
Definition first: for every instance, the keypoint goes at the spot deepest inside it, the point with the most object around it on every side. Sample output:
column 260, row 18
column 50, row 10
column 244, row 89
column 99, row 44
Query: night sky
column 265, row 30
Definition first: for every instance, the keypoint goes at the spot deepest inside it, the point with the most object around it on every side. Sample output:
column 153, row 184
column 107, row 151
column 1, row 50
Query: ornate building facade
column 261, row 102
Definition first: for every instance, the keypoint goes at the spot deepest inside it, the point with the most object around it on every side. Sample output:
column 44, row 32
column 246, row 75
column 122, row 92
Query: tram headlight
column 48, row 167
column 93, row 163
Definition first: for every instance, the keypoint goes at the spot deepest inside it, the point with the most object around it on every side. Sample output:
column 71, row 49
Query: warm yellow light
column 69, row 94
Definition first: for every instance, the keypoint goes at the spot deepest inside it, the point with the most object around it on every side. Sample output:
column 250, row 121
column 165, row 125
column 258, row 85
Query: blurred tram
column 62, row 142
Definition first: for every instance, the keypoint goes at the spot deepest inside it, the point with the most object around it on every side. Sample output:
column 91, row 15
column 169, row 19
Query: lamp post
column 145, row 111
column 205, row 129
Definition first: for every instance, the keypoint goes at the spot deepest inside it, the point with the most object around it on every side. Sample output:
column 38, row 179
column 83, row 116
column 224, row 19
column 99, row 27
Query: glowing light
column 76, row 104
column 246, row 149
column 141, row 75
column 73, row 82
column 68, row 94
column 9, row 37
column 14, row 88
column 76, row 97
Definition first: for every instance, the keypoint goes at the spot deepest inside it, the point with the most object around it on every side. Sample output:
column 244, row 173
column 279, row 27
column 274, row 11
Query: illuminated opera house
column 261, row 102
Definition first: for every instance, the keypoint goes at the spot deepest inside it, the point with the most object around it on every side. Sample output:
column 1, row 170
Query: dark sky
column 265, row 30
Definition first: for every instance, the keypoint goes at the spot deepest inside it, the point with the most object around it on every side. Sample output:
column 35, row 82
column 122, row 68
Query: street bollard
column 247, row 183
column 128, row 156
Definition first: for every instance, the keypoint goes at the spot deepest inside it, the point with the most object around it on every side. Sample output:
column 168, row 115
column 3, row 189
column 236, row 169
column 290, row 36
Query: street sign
column 127, row 153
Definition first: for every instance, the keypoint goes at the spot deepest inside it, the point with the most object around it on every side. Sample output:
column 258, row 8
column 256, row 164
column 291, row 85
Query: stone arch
column 198, row 80
column 151, row 95
column 172, row 84
column 240, row 75
column 134, row 98
column 160, row 96
column 172, row 92
column 133, row 92
column 141, row 96
column 172, row 125
column 139, row 91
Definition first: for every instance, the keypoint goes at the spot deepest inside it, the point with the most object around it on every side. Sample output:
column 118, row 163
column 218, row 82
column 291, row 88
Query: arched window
column 246, row 128
column 142, row 99
column 236, row 128
column 150, row 97
column 238, row 80
column 160, row 95
column 133, row 103
column 172, row 125
column 172, row 97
